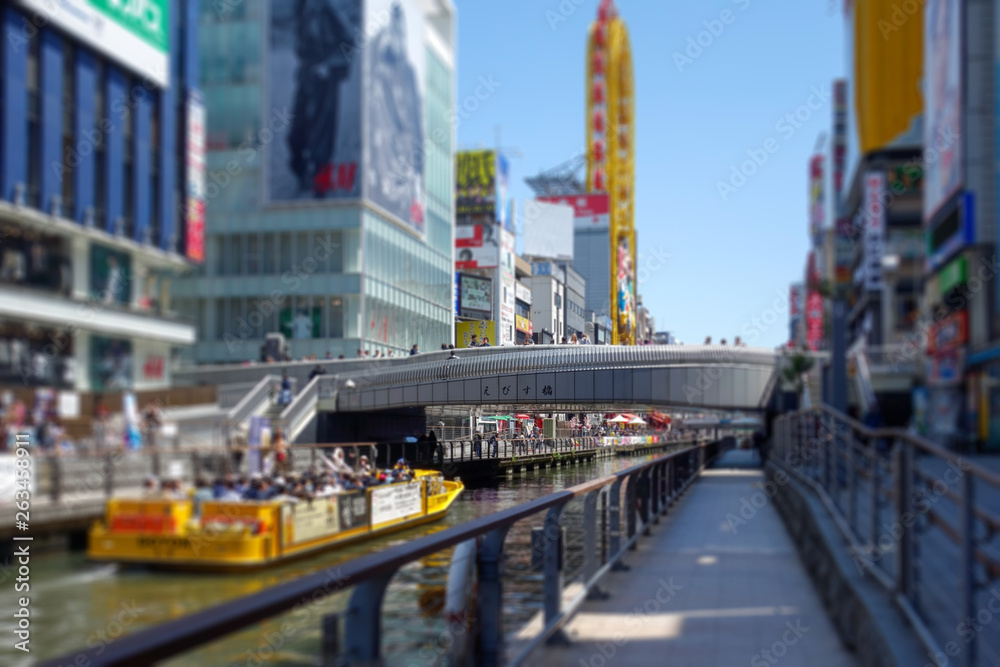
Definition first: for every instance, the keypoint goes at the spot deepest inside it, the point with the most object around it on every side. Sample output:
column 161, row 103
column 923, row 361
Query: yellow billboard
column 888, row 53
column 482, row 329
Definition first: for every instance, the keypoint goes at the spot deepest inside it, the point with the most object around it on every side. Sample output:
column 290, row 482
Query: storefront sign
column 153, row 368
column 955, row 274
column 873, row 220
column 522, row 293
column 396, row 502
column 522, row 323
column 946, row 368
column 951, row 234
column 951, row 332
column 814, row 320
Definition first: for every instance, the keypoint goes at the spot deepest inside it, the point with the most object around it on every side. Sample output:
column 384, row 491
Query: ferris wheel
column 611, row 156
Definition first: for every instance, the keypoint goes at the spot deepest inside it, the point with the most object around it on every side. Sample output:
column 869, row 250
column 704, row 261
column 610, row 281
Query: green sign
column 954, row 273
column 146, row 19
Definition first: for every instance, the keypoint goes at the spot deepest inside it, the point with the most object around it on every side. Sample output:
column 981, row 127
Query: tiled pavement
column 708, row 589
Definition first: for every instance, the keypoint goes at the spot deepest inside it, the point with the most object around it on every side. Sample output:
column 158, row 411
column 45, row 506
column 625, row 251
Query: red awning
column 628, row 416
column 523, row 416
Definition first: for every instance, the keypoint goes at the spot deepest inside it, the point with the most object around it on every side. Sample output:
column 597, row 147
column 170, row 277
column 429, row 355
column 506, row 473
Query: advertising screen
column 476, row 184
column 316, row 155
column 625, row 287
column 589, row 211
column 134, row 34
column 195, row 218
column 394, row 79
column 475, row 295
column 111, row 366
column 302, row 323
column 110, row 275
column 943, row 93
column 814, row 320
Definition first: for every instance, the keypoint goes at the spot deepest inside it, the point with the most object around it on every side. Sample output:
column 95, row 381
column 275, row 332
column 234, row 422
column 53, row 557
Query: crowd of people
column 325, row 479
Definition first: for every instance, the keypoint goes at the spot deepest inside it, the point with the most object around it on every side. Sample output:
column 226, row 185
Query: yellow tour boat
column 248, row 534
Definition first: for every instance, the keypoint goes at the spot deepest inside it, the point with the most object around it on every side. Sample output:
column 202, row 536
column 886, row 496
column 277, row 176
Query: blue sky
column 728, row 263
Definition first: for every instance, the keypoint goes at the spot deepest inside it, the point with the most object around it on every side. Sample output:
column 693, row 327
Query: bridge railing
column 627, row 502
column 923, row 521
column 477, row 362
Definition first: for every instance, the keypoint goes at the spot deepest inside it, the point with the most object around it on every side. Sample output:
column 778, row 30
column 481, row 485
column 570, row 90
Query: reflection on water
column 75, row 603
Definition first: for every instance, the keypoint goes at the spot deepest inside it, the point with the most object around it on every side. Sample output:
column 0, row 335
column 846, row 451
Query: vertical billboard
column 314, row 78
column 816, row 203
column 796, row 308
column 873, row 216
column 589, row 211
column 135, row 34
column 839, row 158
column 506, row 293
column 943, row 98
column 625, row 289
column 504, row 204
column 194, row 219
column 476, row 184
column 393, row 84
column 814, row 320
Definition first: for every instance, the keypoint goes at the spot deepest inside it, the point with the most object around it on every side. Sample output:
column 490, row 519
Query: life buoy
column 460, row 602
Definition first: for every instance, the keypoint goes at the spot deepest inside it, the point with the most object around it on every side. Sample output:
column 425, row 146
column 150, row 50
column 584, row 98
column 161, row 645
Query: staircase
column 273, row 414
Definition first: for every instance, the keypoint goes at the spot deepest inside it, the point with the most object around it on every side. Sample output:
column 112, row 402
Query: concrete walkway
column 710, row 587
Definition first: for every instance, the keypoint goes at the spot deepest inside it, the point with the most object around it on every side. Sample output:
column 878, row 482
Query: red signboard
column 949, row 333
column 589, row 211
column 153, row 368
column 469, row 236
column 814, row 320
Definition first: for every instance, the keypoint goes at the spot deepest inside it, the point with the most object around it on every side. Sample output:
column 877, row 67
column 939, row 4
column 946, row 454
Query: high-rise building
column 98, row 191
column 330, row 188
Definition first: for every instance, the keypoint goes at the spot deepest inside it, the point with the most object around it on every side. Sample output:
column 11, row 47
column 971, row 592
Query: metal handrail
column 905, row 505
column 663, row 480
column 303, row 404
column 251, row 402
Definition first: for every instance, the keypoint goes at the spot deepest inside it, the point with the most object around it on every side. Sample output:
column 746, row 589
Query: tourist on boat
column 201, row 494
column 280, row 452
column 150, row 487
column 365, row 465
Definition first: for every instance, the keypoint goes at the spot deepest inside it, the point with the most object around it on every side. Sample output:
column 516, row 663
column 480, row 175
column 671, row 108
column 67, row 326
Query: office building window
column 128, row 176
column 269, row 253
column 68, row 184
column 100, row 109
column 34, row 132
column 253, row 254
column 154, row 171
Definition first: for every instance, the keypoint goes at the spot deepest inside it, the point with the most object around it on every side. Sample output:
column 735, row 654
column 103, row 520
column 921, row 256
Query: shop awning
column 524, row 416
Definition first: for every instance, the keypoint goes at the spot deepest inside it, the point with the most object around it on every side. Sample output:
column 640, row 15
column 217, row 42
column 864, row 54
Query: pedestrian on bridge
column 493, row 445
column 477, row 443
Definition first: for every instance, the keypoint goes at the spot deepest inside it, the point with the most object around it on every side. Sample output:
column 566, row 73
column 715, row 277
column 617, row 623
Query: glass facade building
column 332, row 275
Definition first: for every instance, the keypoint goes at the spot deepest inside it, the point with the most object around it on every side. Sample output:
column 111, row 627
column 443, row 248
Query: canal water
column 76, row 603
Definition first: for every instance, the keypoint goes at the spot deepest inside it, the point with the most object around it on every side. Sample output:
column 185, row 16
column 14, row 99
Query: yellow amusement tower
column 610, row 155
